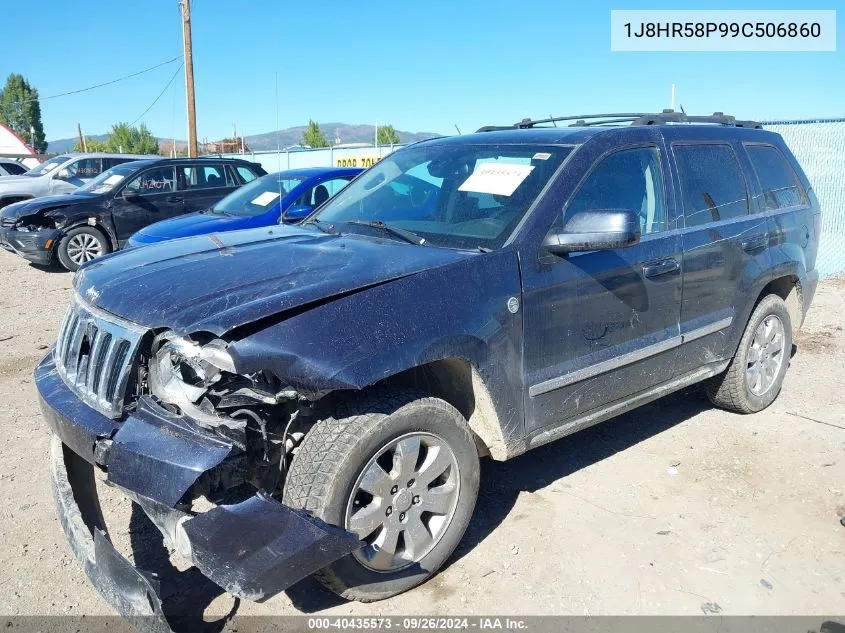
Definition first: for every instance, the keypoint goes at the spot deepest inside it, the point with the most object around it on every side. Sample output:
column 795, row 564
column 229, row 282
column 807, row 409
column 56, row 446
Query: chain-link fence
column 819, row 145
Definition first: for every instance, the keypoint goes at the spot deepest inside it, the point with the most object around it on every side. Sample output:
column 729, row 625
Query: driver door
column 149, row 197
column 600, row 325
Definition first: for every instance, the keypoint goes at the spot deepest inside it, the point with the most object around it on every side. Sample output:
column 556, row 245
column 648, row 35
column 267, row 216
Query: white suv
column 58, row 175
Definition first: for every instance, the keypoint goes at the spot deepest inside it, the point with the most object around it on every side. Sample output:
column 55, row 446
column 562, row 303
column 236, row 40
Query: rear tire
column 410, row 438
column 754, row 378
column 81, row 245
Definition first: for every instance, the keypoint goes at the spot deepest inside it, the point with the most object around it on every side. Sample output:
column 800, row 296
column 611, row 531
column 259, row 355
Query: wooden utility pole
column 83, row 146
column 189, row 78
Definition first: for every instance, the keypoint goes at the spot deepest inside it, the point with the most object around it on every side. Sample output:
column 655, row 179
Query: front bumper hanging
column 253, row 549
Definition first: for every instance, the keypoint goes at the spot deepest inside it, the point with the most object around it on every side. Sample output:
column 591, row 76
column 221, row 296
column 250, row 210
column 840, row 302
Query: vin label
column 706, row 30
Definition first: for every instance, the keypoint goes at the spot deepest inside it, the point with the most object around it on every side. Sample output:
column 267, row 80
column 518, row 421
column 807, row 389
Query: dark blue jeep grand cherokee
column 329, row 387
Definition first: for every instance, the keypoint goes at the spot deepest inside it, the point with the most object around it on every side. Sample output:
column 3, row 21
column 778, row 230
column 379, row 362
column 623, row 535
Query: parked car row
column 330, row 388
column 142, row 201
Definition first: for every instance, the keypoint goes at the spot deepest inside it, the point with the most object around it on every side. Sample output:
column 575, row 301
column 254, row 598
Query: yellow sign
column 357, row 161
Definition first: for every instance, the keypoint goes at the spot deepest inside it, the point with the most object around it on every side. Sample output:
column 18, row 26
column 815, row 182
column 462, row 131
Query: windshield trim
column 514, row 234
column 540, row 196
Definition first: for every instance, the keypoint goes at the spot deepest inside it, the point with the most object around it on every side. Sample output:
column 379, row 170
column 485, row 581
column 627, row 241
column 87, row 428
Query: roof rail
column 634, row 118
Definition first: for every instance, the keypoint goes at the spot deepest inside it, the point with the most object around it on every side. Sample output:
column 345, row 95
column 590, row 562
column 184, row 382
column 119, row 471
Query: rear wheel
column 398, row 469
column 81, row 245
column 754, row 378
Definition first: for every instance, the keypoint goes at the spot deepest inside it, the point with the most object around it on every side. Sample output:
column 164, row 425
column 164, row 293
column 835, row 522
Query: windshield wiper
column 408, row 236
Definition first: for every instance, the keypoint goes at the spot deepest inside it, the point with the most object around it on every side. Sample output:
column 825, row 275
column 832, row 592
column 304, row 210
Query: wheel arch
column 458, row 382
column 100, row 228
column 788, row 288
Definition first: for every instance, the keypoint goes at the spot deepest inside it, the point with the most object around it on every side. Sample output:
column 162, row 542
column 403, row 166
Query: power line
column 107, row 83
column 166, row 86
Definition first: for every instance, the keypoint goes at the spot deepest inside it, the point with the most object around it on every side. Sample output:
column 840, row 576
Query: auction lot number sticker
column 729, row 30
column 418, row 623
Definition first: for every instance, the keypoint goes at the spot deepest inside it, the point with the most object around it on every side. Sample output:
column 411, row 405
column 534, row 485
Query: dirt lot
column 676, row 508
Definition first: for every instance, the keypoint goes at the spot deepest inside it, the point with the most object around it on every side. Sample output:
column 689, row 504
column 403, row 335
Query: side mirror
column 595, row 230
column 129, row 194
column 63, row 174
column 297, row 212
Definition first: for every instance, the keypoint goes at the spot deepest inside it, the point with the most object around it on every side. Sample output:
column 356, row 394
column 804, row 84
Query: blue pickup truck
column 290, row 194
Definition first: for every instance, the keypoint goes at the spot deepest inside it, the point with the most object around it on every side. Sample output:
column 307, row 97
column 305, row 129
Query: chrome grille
column 94, row 355
column 7, row 222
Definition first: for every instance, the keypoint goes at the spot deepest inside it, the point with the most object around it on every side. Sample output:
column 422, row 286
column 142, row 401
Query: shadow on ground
column 185, row 595
column 501, row 482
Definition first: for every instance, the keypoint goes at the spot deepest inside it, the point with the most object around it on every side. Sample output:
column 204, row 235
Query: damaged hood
column 221, row 281
column 31, row 207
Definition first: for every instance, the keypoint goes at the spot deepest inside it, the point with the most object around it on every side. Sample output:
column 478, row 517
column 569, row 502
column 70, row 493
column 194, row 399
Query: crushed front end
column 174, row 427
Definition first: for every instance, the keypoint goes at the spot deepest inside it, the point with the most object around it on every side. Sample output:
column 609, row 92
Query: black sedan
column 99, row 217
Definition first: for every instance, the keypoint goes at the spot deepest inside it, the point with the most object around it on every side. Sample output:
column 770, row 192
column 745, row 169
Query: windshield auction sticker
column 497, row 178
column 265, row 198
column 730, row 30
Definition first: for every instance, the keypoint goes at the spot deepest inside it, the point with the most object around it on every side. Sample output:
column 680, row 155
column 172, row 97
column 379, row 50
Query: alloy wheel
column 83, row 247
column 765, row 356
column 403, row 501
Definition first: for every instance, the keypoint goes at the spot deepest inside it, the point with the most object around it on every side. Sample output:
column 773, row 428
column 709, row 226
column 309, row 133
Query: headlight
column 182, row 370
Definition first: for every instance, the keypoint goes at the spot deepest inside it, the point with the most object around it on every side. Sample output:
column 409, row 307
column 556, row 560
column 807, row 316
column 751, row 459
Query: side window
column 85, row 168
column 157, row 180
column 318, row 194
column 778, row 181
column 245, row 174
column 14, row 168
column 712, row 183
column 205, row 177
column 627, row 179
column 108, row 163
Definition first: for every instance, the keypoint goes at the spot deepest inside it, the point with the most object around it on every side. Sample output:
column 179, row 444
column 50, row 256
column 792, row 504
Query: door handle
column 755, row 243
column 661, row 268
column 174, row 199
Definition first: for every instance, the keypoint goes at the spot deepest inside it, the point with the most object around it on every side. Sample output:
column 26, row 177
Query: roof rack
column 634, row 118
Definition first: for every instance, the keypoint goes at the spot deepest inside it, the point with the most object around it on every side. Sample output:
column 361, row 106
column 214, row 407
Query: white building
column 13, row 145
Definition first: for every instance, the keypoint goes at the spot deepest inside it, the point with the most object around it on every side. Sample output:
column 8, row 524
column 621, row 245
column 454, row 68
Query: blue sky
column 421, row 67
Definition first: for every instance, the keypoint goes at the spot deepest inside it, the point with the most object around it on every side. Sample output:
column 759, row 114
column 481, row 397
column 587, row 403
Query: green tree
column 20, row 109
column 127, row 139
column 92, row 145
column 387, row 135
column 313, row 136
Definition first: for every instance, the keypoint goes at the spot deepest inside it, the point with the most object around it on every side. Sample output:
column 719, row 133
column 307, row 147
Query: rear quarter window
column 712, row 182
column 778, row 181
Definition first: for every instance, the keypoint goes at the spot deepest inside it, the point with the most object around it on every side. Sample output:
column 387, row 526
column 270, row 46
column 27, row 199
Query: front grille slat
column 94, row 355
column 7, row 222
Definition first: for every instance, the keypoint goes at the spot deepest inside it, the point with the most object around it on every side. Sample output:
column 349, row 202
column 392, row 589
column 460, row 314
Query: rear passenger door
column 205, row 184
column 726, row 255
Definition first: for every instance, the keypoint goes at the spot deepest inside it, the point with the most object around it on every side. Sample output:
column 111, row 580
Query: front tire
column 400, row 470
column 754, row 378
column 81, row 245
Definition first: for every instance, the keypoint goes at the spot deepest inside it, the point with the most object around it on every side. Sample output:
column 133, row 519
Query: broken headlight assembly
column 182, row 370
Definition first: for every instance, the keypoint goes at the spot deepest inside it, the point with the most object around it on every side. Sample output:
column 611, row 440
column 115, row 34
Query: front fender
column 454, row 311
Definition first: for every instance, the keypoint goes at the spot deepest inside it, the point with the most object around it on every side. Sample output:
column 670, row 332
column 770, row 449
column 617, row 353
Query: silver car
column 61, row 174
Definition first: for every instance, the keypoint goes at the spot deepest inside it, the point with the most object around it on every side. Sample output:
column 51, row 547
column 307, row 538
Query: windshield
column 108, row 180
column 47, row 166
column 258, row 196
column 451, row 195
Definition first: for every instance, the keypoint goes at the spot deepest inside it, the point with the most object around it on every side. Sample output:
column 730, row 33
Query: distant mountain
column 271, row 140
column 345, row 132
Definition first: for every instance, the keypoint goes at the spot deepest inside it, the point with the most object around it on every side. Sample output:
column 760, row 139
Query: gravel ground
column 676, row 508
